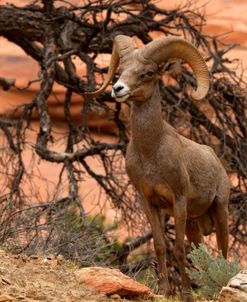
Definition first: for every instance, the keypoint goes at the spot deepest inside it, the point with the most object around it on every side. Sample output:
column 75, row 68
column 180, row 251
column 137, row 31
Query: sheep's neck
column 147, row 125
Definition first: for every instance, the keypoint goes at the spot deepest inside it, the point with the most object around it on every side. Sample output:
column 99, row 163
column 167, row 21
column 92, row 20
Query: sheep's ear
column 161, row 67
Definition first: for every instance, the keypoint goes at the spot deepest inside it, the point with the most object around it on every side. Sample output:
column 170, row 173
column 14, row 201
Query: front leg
column 180, row 215
column 154, row 216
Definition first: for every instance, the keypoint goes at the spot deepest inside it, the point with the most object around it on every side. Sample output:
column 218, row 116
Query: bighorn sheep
column 172, row 173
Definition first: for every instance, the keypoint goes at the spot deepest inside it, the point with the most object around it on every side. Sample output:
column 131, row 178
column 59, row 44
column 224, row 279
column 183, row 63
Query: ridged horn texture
column 110, row 74
column 125, row 45
column 122, row 46
column 177, row 48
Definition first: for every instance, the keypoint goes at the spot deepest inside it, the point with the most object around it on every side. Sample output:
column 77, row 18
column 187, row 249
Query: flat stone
column 230, row 294
column 236, row 289
column 6, row 298
column 239, row 281
column 115, row 296
column 110, row 281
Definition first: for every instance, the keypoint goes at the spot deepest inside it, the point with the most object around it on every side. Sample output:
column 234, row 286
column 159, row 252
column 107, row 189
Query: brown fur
column 172, row 173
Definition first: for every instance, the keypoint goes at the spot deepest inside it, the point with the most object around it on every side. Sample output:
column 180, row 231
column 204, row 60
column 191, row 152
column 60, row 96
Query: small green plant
column 149, row 278
column 210, row 273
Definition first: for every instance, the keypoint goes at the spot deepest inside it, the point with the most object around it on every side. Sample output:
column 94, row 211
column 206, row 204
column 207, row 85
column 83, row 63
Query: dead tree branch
column 64, row 39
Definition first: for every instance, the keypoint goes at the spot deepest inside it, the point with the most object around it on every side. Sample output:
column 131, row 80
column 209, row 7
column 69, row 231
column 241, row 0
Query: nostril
column 118, row 88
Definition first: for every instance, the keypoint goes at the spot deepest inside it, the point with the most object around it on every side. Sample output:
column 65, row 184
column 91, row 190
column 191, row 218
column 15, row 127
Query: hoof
column 164, row 292
column 187, row 298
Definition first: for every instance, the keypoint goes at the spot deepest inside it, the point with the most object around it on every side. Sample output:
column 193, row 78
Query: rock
column 34, row 257
column 50, row 257
column 236, row 289
column 110, row 281
column 239, row 281
column 21, row 297
column 24, row 258
column 76, row 293
column 229, row 294
column 5, row 280
column 6, row 298
column 115, row 296
column 60, row 258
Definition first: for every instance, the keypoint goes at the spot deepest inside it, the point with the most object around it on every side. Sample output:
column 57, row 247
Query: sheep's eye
column 150, row 74
column 145, row 75
column 142, row 76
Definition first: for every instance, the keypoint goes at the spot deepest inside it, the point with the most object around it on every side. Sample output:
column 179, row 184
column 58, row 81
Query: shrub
column 210, row 273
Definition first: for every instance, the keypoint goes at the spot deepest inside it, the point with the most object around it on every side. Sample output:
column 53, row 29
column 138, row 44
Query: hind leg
column 219, row 211
column 193, row 232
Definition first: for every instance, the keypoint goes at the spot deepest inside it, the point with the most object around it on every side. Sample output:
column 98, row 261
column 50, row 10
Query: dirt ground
column 40, row 278
column 49, row 278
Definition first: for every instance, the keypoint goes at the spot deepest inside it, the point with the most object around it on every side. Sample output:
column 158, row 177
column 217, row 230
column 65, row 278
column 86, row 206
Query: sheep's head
column 137, row 77
column 139, row 68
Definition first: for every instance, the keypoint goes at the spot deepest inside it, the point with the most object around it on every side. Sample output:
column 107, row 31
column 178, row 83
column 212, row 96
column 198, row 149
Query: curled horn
column 178, row 48
column 122, row 46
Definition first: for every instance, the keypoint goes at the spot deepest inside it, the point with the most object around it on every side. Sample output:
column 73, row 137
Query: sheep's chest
column 142, row 170
column 152, row 167
column 147, row 176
